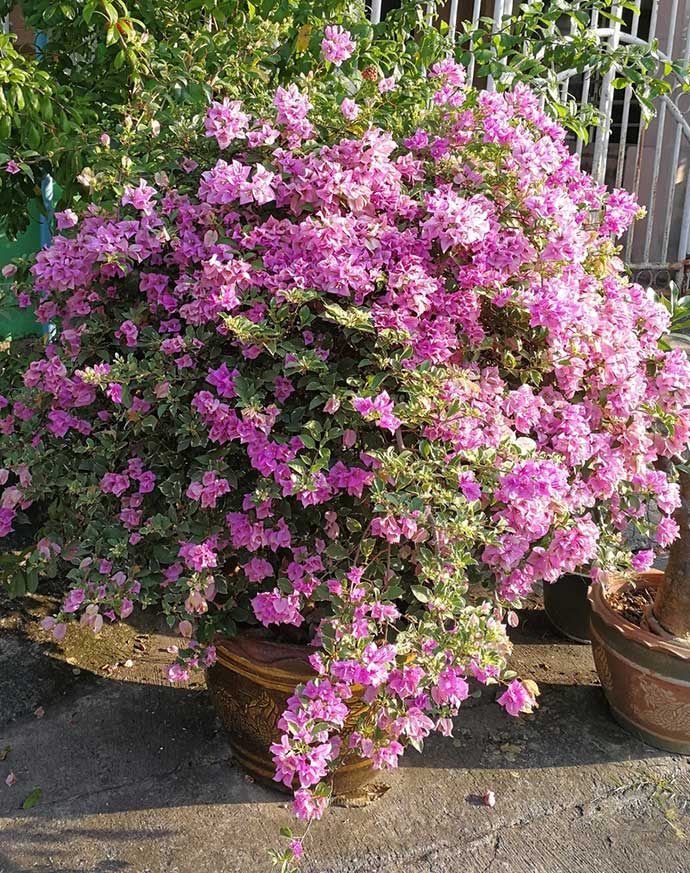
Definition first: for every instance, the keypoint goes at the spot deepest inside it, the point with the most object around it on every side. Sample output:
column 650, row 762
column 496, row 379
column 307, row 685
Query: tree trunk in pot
column 672, row 604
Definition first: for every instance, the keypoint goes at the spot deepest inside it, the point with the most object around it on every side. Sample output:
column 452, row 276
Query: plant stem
column 672, row 604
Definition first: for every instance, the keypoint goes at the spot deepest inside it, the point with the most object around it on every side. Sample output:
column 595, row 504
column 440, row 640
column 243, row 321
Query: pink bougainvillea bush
column 360, row 392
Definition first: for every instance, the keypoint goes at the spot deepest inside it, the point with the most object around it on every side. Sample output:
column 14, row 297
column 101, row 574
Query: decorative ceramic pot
column 250, row 684
column 646, row 679
column 567, row 606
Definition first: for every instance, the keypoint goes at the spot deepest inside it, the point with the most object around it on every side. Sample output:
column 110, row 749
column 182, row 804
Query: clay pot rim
column 632, row 632
column 243, row 650
column 235, row 653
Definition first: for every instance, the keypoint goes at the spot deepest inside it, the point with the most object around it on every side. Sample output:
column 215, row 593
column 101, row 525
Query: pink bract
column 337, row 45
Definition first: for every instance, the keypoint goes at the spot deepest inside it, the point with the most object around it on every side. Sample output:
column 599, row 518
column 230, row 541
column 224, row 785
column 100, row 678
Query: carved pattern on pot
column 660, row 706
column 602, row 663
column 250, row 685
column 241, row 711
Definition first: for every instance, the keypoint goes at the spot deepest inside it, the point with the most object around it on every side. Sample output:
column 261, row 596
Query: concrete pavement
column 137, row 776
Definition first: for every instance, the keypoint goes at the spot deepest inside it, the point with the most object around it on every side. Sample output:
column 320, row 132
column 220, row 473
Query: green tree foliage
column 143, row 74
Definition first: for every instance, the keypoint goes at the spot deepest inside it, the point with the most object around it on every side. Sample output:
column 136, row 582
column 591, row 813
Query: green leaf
column 32, row 581
column 18, row 97
column 418, row 745
column 17, row 584
column 32, row 799
column 353, row 525
column 25, row 168
column 111, row 12
column 89, row 10
column 420, row 592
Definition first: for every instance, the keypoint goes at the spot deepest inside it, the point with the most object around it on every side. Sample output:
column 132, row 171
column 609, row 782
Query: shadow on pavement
column 109, row 745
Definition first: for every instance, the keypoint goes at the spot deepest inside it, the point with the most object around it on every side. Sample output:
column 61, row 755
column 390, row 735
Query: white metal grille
column 654, row 163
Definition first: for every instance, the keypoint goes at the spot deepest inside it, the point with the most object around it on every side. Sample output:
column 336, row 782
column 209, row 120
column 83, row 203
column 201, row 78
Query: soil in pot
column 250, row 684
column 631, row 603
column 646, row 679
column 567, row 607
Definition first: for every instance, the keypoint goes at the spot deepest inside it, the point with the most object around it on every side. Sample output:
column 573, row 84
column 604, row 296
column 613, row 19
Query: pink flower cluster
column 226, row 122
column 337, row 45
column 380, row 408
column 208, row 490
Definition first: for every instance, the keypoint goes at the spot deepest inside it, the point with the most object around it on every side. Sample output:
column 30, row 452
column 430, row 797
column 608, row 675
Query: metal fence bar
column 565, row 87
column 674, row 265
column 586, row 81
column 623, row 141
column 497, row 16
column 683, row 250
column 630, row 237
column 630, row 40
column 661, row 123
column 375, row 15
column 453, row 19
column 601, row 143
column 684, row 239
column 674, row 166
column 476, row 12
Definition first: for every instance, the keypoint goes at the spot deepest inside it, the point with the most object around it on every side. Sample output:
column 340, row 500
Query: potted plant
column 566, row 604
column 641, row 629
column 313, row 389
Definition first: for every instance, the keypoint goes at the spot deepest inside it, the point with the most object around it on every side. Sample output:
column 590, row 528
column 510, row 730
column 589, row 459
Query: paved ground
column 137, row 776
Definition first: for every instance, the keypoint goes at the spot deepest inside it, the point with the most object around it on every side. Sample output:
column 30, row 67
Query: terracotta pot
column 646, row 679
column 250, row 684
column 567, row 606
